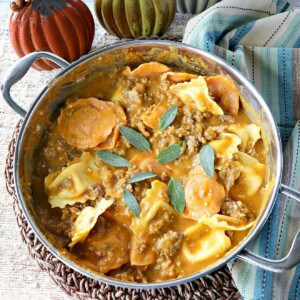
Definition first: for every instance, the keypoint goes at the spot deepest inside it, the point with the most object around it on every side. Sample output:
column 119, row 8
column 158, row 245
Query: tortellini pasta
column 252, row 174
column 202, row 242
column 248, row 134
column 87, row 219
column 72, row 184
column 225, row 146
column 207, row 239
column 196, row 91
column 156, row 201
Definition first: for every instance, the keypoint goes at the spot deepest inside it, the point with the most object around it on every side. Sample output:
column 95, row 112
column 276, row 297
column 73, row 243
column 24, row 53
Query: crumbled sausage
column 236, row 209
column 96, row 190
column 66, row 184
column 167, row 268
column 229, row 174
column 226, row 118
column 169, row 243
column 50, row 152
column 192, row 144
column 163, row 219
column 164, row 176
column 213, row 131
column 135, row 96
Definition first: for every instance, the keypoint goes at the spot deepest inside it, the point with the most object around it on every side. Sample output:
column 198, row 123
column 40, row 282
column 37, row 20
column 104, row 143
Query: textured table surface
column 20, row 277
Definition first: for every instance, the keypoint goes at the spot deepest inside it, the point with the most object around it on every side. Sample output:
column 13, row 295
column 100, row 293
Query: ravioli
column 151, row 118
column 249, row 135
column 207, row 239
column 201, row 243
column 87, row 219
column 225, row 222
column 252, row 176
column 225, row 146
column 121, row 120
column 140, row 254
column 71, row 184
column 178, row 76
column 203, row 195
column 156, row 201
column 196, row 91
column 151, row 69
column 148, row 225
column 224, row 91
column 107, row 244
column 89, row 122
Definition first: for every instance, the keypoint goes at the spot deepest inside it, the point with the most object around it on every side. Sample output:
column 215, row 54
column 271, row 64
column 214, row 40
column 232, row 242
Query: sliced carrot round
column 87, row 122
column 203, row 195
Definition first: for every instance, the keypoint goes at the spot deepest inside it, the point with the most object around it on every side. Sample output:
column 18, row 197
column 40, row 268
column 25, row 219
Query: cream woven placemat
column 20, row 277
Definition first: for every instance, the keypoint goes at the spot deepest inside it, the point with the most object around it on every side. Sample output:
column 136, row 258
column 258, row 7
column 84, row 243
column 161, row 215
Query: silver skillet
column 74, row 80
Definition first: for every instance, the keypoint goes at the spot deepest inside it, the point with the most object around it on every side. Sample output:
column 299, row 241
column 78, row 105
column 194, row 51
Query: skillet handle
column 291, row 260
column 19, row 71
column 289, row 192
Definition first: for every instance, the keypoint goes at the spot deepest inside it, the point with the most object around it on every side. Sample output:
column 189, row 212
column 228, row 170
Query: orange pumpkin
column 65, row 28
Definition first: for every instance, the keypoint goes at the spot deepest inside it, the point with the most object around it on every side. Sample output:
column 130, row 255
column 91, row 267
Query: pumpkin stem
column 46, row 7
column 17, row 5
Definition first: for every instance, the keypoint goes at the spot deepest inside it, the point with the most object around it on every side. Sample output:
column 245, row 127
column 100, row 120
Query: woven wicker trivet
column 217, row 285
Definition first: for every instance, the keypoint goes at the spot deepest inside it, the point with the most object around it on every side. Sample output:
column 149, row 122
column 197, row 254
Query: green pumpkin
column 133, row 18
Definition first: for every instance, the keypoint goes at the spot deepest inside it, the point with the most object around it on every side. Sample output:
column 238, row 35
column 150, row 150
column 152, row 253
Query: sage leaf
column 182, row 144
column 168, row 117
column 141, row 176
column 135, row 138
column 113, row 159
column 169, row 154
column 207, row 160
column 131, row 202
column 176, row 195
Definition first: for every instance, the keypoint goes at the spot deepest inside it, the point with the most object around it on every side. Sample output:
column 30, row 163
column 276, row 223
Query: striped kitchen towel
column 261, row 38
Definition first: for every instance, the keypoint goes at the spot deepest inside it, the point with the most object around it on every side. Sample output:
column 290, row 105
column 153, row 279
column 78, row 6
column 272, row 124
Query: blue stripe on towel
column 239, row 34
column 225, row 29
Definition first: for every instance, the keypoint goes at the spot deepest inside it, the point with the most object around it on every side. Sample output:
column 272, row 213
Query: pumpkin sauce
column 79, row 196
